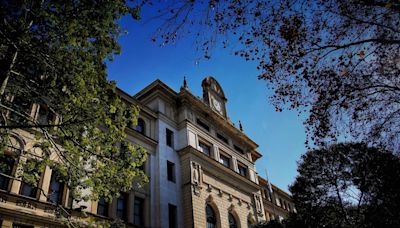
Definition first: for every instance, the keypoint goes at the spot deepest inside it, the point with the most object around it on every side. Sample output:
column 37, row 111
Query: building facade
column 201, row 168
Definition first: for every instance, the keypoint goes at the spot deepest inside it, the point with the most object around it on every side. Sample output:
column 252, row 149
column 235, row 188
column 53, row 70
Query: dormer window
column 140, row 127
column 238, row 149
column 222, row 138
column 203, row 125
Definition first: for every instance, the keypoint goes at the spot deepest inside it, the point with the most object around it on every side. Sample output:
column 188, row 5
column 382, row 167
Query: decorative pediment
column 214, row 96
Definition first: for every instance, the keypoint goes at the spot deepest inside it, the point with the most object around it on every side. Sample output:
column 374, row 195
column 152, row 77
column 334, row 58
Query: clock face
column 217, row 105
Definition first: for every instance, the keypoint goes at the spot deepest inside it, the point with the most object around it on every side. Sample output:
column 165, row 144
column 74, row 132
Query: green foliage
column 53, row 53
column 347, row 185
column 335, row 60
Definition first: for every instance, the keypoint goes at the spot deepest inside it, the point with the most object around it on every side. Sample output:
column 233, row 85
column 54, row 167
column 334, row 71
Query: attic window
column 203, row 125
column 238, row 149
column 222, row 138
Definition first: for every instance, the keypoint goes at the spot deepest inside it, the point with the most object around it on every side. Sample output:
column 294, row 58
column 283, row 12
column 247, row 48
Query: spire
column 184, row 86
column 240, row 126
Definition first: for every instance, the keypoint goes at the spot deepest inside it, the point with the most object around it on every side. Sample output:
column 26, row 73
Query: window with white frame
column 205, row 148
column 225, row 160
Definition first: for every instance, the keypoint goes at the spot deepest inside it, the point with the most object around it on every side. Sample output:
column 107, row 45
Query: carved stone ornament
column 196, row 178
column 209, row 188
column 210, row 199
column 239, row 202
column 257, row 200
column 190, row 116
column 231, row 208
column 220, row 193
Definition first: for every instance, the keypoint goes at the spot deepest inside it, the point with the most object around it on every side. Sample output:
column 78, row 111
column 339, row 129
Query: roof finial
column 240, row 126
column 184, row 82
column 185, row 86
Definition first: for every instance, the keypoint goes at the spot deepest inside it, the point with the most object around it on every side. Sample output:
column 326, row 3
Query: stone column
column 45, row 184
column 235, row 164
column 94, row 207
column 215, row 153
column 16, row 184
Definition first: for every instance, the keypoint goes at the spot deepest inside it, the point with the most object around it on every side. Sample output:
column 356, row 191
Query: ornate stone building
column 277, row 203
column 201, row 167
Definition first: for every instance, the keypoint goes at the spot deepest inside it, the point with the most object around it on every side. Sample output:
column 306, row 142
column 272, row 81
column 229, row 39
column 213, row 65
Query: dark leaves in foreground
column 336, row 60
column 347, row 185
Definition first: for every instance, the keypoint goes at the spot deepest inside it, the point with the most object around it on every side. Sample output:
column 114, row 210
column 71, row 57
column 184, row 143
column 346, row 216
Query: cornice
column 264, row 183
column 224, row 173
column 186, row 96
column 155, row 85
column 144, row 138
column 134, row 101
column 274, row 207
column 188, row 123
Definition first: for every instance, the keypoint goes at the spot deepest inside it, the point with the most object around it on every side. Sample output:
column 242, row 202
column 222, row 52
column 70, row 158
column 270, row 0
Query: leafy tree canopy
column 53, row 55
column 338, row 60
column 347, row 185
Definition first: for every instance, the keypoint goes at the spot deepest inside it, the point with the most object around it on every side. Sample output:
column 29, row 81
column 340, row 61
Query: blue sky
column 280, row 135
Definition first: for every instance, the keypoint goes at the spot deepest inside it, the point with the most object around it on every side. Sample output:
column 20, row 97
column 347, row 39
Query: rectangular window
column 170, row 137
column 45, row 115
column 6, row 167
column 21, row 105
column 121, row 206
column 225, row 160
column 238, row 149
column 205, row 148
column 102, row 207
column 172, row 216
column 203, row 125
column 138, row 211
column 28, row 189
column 171, row 171
column 242, row 170
column 56, row 189
column 222, row 138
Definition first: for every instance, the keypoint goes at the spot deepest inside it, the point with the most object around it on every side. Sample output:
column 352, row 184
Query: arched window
column 211, row 218
column 232, row 221
column 140, row 127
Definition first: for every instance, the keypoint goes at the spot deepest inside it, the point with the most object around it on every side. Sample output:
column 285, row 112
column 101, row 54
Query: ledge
column 225, row 174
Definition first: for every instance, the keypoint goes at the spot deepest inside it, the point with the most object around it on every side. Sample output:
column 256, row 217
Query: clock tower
column 214, row 96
